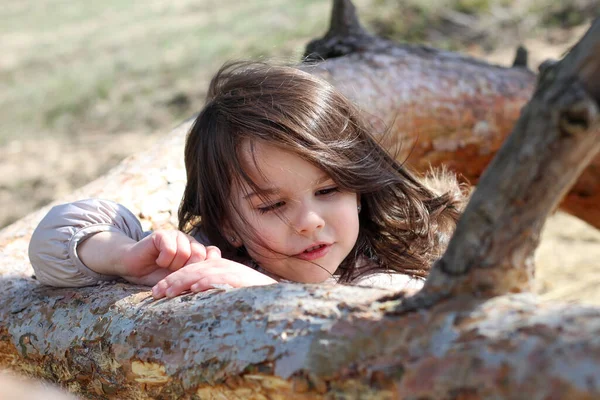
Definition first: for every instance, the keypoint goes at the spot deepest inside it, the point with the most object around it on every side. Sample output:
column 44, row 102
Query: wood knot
column 577, row 119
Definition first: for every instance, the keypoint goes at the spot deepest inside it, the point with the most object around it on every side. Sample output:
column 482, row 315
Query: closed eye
column 271, row 207
column 327, row 191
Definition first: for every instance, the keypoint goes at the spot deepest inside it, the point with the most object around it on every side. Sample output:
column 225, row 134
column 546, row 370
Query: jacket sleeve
column 53, row 245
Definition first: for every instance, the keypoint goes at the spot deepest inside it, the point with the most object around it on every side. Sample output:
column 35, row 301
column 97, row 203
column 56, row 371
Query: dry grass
column 83, row 84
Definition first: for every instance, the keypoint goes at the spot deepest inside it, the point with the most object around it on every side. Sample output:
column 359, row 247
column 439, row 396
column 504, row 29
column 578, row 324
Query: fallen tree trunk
column 298, row 341
column 442, row 109
column 466, row 335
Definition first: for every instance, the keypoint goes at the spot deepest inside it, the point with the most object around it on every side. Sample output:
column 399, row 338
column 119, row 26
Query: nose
column 309, row 219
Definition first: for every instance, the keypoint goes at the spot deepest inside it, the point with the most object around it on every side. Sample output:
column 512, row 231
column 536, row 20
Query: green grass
column 78, row 67
column 71, row 68
column 456, row 24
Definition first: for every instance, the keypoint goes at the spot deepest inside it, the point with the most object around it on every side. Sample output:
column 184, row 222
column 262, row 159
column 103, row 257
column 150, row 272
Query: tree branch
column 345, row 35
column 491, row 252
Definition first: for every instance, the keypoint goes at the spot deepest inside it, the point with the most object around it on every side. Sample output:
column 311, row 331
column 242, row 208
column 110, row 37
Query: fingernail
column 170, row 292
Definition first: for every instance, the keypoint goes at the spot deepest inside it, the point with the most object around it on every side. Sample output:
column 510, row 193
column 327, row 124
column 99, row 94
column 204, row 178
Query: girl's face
column 305, row 225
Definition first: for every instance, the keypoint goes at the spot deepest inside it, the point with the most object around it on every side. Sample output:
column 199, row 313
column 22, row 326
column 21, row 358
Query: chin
column 315, row 279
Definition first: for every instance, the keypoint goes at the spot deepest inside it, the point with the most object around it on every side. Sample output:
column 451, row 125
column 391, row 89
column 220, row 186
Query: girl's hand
column 204, row 275
column 160, row 253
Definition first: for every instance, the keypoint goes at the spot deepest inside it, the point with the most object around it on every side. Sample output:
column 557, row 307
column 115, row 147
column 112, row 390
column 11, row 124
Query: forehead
column 270, row 166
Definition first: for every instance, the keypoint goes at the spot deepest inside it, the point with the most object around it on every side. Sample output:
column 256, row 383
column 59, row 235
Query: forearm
column 103, row 252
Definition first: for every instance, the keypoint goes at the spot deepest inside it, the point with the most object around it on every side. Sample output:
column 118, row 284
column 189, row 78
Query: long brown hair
column 404, row 223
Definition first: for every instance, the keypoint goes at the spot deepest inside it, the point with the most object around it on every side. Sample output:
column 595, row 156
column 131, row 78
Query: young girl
column 284, row 182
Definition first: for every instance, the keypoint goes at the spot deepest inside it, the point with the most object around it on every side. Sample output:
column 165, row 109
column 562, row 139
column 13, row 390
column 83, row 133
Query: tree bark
column 491, row 252
column 297, row 342
column 442, row 109
column 466, row 335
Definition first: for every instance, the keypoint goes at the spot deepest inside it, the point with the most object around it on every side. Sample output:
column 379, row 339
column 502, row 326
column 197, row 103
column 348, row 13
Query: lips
column 317, row 247
column 314, row 252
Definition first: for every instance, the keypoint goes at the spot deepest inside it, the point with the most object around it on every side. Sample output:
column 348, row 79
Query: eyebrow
column 263, row 192
column 270, row 191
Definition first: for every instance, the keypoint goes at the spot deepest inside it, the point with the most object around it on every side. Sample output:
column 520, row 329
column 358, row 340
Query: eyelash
column 273, row 207
column 325, row 192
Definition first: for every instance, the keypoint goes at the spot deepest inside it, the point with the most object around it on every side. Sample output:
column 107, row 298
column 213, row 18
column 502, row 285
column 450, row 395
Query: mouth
column 314, row 252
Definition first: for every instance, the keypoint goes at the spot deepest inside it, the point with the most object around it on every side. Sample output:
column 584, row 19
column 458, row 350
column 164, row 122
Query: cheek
column 347, row 207
column 346, row 217
column 269, row 247
column 269, row 231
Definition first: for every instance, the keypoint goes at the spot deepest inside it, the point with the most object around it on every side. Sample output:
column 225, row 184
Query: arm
column 146, row 261
column 104, row 251
column 88, row 241
column 53, row 249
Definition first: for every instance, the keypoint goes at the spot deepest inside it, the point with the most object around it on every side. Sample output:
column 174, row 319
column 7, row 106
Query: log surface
column 297, row 341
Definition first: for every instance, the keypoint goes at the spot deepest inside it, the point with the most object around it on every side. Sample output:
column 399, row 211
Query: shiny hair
column 404, row 223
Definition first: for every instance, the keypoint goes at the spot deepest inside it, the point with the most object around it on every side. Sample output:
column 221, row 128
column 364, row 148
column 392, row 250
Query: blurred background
column 85, row 83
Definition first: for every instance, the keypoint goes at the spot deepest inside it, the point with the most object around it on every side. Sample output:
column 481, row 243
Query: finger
column 217, row 278
column 177, row 287
column 213, row 252
column 181, row 280
column 150, row 279
column 201, row 285
column 159, row 290
column 226, row 272
column 183, row 253
column 214, row 280
column 218, row 271
column 191, row 238
column 198, row 253
column 166, row 243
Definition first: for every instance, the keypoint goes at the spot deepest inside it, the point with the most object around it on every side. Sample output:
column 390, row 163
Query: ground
column 85, row 84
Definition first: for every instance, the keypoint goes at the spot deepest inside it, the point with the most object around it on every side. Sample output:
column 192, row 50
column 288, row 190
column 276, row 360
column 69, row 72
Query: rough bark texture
column 294, row 341
column 491, row 252
column 442, row 108
column 298, row 342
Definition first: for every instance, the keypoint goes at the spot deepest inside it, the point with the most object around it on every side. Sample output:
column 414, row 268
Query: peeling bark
column 476, row 339
column 442, row 109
